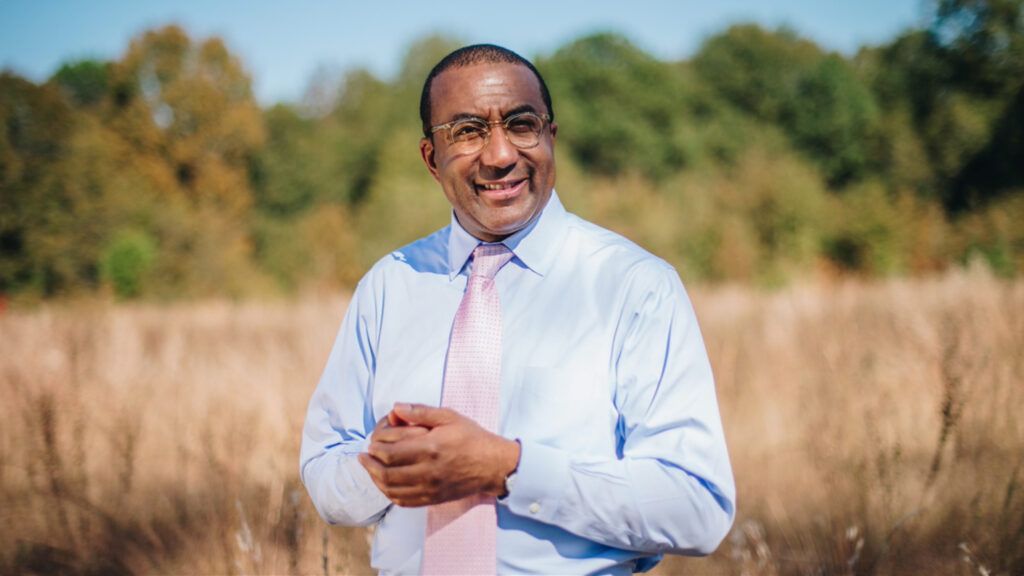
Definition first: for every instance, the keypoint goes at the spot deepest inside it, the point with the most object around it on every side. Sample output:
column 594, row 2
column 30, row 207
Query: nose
column 498, row 152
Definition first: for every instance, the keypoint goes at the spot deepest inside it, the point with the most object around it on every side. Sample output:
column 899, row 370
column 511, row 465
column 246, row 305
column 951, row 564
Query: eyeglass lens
column 522, row 130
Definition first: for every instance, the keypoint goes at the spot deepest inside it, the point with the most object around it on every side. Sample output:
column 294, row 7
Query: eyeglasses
column 469, row 135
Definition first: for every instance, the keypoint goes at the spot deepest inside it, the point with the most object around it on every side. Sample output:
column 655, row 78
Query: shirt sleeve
column 340, row 419
column 669, row 488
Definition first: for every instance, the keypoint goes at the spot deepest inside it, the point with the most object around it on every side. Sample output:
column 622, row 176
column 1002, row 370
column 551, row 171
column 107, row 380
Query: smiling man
column 522, row 391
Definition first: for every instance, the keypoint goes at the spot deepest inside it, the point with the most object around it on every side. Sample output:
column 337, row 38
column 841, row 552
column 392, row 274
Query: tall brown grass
column 874, row 429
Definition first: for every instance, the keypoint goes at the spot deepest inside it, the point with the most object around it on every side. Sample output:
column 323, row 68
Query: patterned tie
column 462, row 535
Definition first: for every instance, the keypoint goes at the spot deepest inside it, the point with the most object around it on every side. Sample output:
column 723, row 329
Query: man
column 522, row 391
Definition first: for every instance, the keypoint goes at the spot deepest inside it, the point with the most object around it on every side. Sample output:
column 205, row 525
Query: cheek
column 453, row 171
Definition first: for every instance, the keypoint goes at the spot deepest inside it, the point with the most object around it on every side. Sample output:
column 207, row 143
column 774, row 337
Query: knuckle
column 432, row 450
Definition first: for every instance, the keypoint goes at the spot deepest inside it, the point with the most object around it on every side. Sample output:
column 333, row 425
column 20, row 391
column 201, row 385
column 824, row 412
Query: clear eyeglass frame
column 470, row 135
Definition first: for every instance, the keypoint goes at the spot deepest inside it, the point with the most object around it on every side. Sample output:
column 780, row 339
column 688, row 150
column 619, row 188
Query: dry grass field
column 874, row 429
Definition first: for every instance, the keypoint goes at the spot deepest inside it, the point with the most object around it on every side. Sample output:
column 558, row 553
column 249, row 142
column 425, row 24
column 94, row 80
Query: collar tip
column 536, row 270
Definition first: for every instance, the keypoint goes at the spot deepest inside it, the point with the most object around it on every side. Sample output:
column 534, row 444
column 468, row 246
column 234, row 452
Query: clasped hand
column 421, row 455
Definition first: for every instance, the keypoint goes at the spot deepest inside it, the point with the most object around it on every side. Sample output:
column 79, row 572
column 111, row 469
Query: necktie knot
column 488, row 259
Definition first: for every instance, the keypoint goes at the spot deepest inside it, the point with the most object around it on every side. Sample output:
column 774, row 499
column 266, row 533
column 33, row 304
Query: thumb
column 423, row 415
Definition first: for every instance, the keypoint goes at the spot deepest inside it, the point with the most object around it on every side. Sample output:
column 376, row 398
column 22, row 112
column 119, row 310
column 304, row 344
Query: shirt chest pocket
column 565, row 408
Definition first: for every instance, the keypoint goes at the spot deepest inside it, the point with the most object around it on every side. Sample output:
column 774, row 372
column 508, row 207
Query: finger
column 409, row 497
column 412, row 497
column 375, row 469
column 401, row 453
column 417, row 502
column 402, row 486
column 411, row 451
column 382, row 425
column 396, row 420
column 393, row 434
column 423, row 415
column 391, row 477
column 423, row 495
column 417, row 476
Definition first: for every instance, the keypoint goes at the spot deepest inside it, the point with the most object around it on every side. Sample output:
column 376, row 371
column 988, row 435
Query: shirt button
column 534, row 508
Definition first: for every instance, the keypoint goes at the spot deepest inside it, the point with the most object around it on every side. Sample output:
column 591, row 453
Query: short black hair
column 477, row 54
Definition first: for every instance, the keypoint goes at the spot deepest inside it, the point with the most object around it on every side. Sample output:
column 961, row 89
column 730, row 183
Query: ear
column 427, row 153
column 554, row 130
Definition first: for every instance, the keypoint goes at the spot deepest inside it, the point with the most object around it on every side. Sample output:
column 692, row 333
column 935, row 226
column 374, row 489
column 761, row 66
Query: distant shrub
column 126, row 260
column 867, row 233
column 994, row 234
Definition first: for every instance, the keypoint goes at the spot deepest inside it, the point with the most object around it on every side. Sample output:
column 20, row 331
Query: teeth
column 495, row 186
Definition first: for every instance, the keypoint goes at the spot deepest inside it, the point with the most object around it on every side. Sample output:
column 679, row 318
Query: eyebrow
column 520, row 110
column 512, row 112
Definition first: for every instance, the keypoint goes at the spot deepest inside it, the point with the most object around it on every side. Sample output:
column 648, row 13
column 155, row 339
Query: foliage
column 126, row 261
column 983, row 40
column 284, row 173
column 834, row 119
column 758, row 71
column 762, row 158
column 85, row 82
column 620, row 108
column 867, row 232
column 36, row 124
column 818, row 99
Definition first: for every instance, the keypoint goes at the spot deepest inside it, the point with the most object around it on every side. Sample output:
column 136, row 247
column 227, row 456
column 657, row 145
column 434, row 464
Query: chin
column 500, row 229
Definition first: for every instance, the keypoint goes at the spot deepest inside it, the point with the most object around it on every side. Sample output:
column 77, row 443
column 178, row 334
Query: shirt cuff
column 356, row 446
column 353, row 480
column 541, row 479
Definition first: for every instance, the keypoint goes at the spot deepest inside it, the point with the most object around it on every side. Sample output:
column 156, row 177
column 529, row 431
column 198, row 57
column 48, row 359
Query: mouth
column 501, row 191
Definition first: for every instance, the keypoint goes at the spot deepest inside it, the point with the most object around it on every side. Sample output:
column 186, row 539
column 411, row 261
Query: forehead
column 486, row 90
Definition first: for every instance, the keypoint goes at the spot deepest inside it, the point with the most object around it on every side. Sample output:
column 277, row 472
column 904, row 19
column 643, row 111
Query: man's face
column 500, row 189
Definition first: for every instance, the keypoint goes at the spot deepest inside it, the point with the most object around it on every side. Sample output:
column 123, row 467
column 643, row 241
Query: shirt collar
column 535, row 246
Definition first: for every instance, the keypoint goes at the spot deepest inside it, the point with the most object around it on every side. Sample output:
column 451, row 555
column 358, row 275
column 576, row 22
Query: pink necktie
column 462, row 535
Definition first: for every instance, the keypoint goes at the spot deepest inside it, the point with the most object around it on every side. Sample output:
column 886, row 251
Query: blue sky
column 283, row 43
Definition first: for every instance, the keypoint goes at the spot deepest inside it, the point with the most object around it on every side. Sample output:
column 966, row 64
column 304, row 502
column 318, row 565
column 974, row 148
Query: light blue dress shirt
column 605, row 381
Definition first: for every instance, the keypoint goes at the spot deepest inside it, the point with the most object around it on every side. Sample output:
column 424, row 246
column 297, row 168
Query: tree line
column 762, row 158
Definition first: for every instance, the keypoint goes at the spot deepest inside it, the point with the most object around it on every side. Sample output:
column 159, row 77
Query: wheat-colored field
column 874, row 429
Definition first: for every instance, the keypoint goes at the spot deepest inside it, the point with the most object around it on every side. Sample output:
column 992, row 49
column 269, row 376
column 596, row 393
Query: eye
column 468, row 130
column 523, row 124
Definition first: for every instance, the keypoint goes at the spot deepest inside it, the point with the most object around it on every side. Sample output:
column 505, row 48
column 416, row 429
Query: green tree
column 86, row 82
column 286, row 173
column 365, row 118
column 983, row 40
column 618, row 109
column 35, row 125
column 983, row 43
column 126, row 261
column 757, row 70
column 833, row 118
column 904, row 76
column 818, row 99
column 997, row 169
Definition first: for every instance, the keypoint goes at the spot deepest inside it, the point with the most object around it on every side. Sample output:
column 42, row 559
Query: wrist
column 508, row 463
